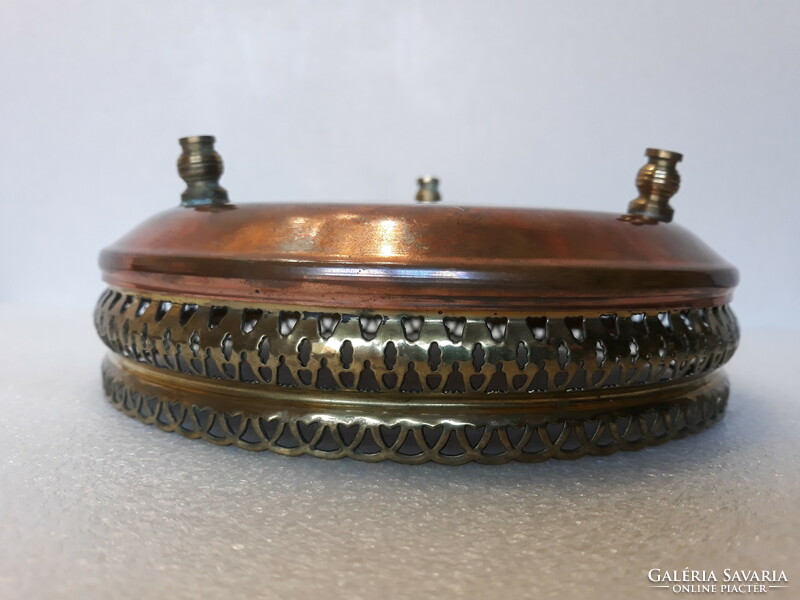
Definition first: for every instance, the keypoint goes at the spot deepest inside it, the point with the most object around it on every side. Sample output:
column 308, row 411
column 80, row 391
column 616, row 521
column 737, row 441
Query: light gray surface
column 529, row 103
column 95, row 505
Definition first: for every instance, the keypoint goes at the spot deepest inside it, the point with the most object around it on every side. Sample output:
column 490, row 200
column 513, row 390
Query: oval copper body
column 421, row 332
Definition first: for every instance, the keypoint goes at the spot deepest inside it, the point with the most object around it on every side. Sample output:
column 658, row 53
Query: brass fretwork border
column 597, row 423
column 400, row 355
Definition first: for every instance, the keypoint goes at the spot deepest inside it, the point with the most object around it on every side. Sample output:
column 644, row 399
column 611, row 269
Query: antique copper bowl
column 419, row 332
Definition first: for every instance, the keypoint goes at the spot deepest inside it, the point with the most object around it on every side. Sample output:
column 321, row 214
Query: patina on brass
column 417, row 333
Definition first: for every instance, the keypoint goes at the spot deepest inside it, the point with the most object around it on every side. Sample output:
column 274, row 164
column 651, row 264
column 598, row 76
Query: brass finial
column 657, row 182
column 200, row 167
column 428, row 190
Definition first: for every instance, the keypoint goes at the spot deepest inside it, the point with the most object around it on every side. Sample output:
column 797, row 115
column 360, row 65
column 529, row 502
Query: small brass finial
column 200, row 167
column 428, row 190
column 657, row 182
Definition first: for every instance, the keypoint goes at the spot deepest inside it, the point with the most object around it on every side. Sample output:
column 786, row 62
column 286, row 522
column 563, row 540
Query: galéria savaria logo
column 727, row 581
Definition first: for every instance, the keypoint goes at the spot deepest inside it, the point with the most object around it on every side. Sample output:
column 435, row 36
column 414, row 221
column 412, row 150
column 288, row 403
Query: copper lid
column 420, row 255
column 597, row 306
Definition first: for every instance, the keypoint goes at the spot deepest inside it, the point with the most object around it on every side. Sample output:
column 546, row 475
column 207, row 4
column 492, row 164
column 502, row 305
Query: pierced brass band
column 564, row 425
column 408, row 354
column 415, row 387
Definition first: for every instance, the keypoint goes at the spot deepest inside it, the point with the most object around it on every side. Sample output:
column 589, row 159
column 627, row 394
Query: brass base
column 368, row 427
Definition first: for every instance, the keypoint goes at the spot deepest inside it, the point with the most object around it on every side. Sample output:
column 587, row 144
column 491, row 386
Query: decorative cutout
column 497, row 328
column 609, row 322
column 390, row 355
column 126, row 305
column 328, row 323
column 325, row 378
column 227, row 346
column 215, row 316
column 144, row 304
column 287, row 321
column 563, row 355
column 194, row 342
column 369, row 326
column 576, row 327
column 634, row 348
column 412, row 327
column 263, row 349
column 498, row 382
column 250, row 318
column 455, row 382
column 538, row 327
column 187, row 312
column 411, row 383
column 346, row 354
column 478, row 357
column 285, row 377
column 522, row 355
column 389, row 381
column 434, row 356
column 163, row 309
column 304, row 352
column 367, row 382
column 600, row 353
column 454, row 326
column 347, row 379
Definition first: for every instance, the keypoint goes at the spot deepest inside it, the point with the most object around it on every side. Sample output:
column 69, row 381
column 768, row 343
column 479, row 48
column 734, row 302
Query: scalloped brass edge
column 618, row 420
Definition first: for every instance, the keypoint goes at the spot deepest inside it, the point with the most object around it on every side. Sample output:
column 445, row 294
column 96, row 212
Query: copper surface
column 416, row 256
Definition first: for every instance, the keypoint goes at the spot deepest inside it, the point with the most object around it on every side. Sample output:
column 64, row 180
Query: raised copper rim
column 311, row 285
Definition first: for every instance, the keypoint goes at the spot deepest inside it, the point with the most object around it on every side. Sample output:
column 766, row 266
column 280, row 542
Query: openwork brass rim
column 414, row 388
column 406, row 354
column 505, row 436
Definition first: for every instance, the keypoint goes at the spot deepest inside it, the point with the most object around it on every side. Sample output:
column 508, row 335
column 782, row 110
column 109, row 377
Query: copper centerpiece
column 417, row 332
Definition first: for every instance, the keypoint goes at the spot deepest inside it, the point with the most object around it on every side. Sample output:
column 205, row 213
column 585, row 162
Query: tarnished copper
column 417, row 332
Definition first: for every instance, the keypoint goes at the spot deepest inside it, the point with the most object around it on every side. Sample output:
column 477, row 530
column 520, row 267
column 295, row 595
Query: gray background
column 95, row 505
column 545, row 104
column 510, row 103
